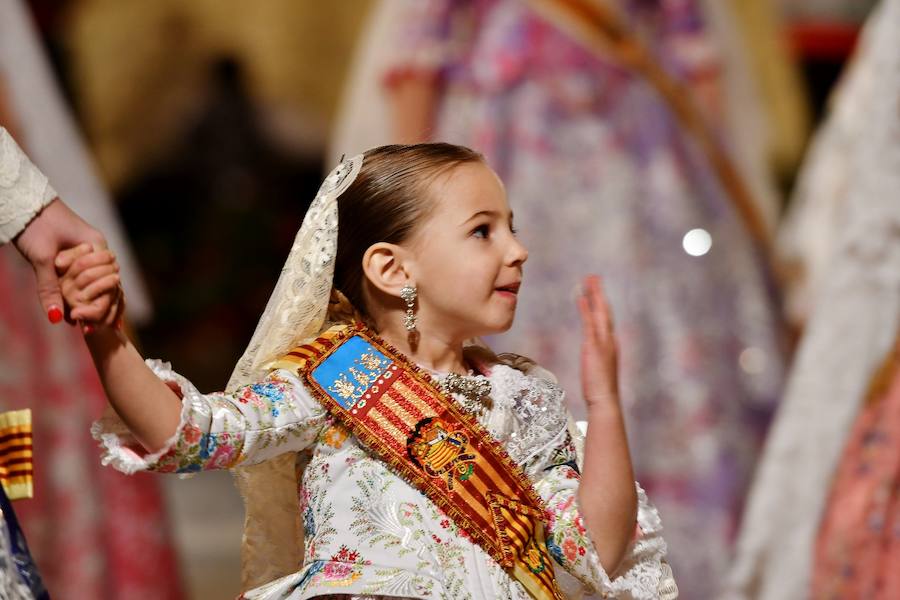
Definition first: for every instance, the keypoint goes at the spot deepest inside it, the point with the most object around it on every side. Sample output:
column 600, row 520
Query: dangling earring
column 408, row 294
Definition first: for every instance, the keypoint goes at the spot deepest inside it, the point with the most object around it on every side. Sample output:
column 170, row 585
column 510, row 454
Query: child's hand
column 599, row 352
column 90, row 286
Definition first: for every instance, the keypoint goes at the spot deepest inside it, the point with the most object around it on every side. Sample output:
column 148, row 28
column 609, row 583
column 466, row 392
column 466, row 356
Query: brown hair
column 386, row 202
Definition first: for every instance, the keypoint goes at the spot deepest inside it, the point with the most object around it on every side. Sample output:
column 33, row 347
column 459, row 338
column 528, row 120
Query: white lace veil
column 296, row 311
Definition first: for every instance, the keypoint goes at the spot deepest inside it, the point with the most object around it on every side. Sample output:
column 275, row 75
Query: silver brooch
column 476, row 391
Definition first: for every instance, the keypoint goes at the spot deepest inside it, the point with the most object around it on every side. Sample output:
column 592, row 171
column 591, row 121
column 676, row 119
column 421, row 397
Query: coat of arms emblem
column 440, row 451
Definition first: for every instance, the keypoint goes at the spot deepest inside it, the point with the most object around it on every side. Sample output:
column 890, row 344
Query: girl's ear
column 383, row 266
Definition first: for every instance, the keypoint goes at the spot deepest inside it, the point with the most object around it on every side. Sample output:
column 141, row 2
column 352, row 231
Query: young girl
column 437, row 469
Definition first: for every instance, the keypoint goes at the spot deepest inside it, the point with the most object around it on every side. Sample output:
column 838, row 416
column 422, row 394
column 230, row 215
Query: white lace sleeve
column 24, row 190
column 222, row 430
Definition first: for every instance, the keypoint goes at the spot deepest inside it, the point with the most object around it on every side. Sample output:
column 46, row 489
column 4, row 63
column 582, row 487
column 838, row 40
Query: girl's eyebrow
column 488, row 213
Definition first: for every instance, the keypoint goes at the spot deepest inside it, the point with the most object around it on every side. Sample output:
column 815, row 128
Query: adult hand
column 54, row 229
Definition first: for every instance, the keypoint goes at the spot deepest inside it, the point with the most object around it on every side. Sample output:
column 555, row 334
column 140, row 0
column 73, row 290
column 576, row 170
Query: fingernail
column 119, row 324
column 55, row 314
column 88, row 329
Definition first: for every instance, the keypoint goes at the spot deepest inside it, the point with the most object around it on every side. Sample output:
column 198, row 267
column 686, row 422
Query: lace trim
column 529, row 414
column 24, row 190
column 120, row 449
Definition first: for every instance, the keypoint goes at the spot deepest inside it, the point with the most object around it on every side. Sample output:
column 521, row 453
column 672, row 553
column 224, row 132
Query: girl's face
column 465, row 259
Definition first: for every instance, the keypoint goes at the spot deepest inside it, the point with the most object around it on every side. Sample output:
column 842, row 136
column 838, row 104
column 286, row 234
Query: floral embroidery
column 555, row 551
column 272, row 390
column 570, row 549
column 397, row 543
column 311, row 570
column 344, row 568
column 196, row 451
column 567, row 537
column 335, row 436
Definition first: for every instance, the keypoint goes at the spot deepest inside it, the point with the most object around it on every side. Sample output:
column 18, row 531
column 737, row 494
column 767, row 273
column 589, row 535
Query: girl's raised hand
column 90, row 286
column 599, row 350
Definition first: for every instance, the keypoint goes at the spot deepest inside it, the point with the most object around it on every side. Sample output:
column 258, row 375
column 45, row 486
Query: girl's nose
column 518, row 253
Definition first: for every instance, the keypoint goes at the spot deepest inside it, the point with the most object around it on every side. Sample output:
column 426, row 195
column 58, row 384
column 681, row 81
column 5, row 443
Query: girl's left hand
column 599, row 349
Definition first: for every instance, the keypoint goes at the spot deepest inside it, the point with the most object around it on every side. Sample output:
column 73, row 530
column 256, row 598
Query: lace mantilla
column 297, row 308
column 24, row 190
column 296, row 311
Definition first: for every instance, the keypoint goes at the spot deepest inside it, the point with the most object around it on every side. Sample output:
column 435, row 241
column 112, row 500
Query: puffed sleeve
column 643, row 574
column 24, row 190
column 220, row 430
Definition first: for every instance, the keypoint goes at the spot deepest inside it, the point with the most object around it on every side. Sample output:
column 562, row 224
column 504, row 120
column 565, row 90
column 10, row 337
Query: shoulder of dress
column 297, row 358
column 526, row 366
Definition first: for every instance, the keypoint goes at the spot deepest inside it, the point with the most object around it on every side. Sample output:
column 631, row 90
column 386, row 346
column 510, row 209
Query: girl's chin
column 498, row 327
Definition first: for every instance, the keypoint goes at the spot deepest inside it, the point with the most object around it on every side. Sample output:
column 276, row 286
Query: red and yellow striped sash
column 399, row 414
column 16, row 468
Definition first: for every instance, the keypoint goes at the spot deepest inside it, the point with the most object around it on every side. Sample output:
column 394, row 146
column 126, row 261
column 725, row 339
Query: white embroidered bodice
column 367, row 531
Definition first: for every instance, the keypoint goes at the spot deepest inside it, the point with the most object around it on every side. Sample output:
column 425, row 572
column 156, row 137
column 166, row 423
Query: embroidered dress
column 367, row 531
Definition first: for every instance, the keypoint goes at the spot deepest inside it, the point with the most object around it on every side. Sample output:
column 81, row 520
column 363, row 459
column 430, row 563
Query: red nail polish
column 55, row 314
column 88, row 329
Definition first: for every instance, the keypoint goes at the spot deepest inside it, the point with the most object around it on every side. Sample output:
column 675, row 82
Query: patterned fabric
column 858, row 547
column 367, row 531
column 601, row 179
column 92, row 532
column 407, row 421
column 19, row 577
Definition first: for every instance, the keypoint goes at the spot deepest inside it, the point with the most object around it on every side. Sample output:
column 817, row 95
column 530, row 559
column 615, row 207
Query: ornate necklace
column 476, row 391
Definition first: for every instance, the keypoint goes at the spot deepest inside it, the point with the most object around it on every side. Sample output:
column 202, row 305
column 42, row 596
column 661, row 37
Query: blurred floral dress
column 858, row 546
column 602, row 179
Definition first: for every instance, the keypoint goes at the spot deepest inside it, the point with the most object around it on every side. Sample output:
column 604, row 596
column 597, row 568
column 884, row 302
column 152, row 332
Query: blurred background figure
column 93, row 533
column 603, row 177
column 823, row 515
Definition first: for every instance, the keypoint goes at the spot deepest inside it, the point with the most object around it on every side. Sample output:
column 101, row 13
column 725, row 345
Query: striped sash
column 16, row 470
column 426, row 438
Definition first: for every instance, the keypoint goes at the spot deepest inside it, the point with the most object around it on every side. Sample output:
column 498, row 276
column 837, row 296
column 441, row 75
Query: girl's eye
column 481, row 231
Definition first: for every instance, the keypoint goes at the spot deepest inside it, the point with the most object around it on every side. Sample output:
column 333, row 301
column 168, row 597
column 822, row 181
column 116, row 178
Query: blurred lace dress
column 844, row 230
